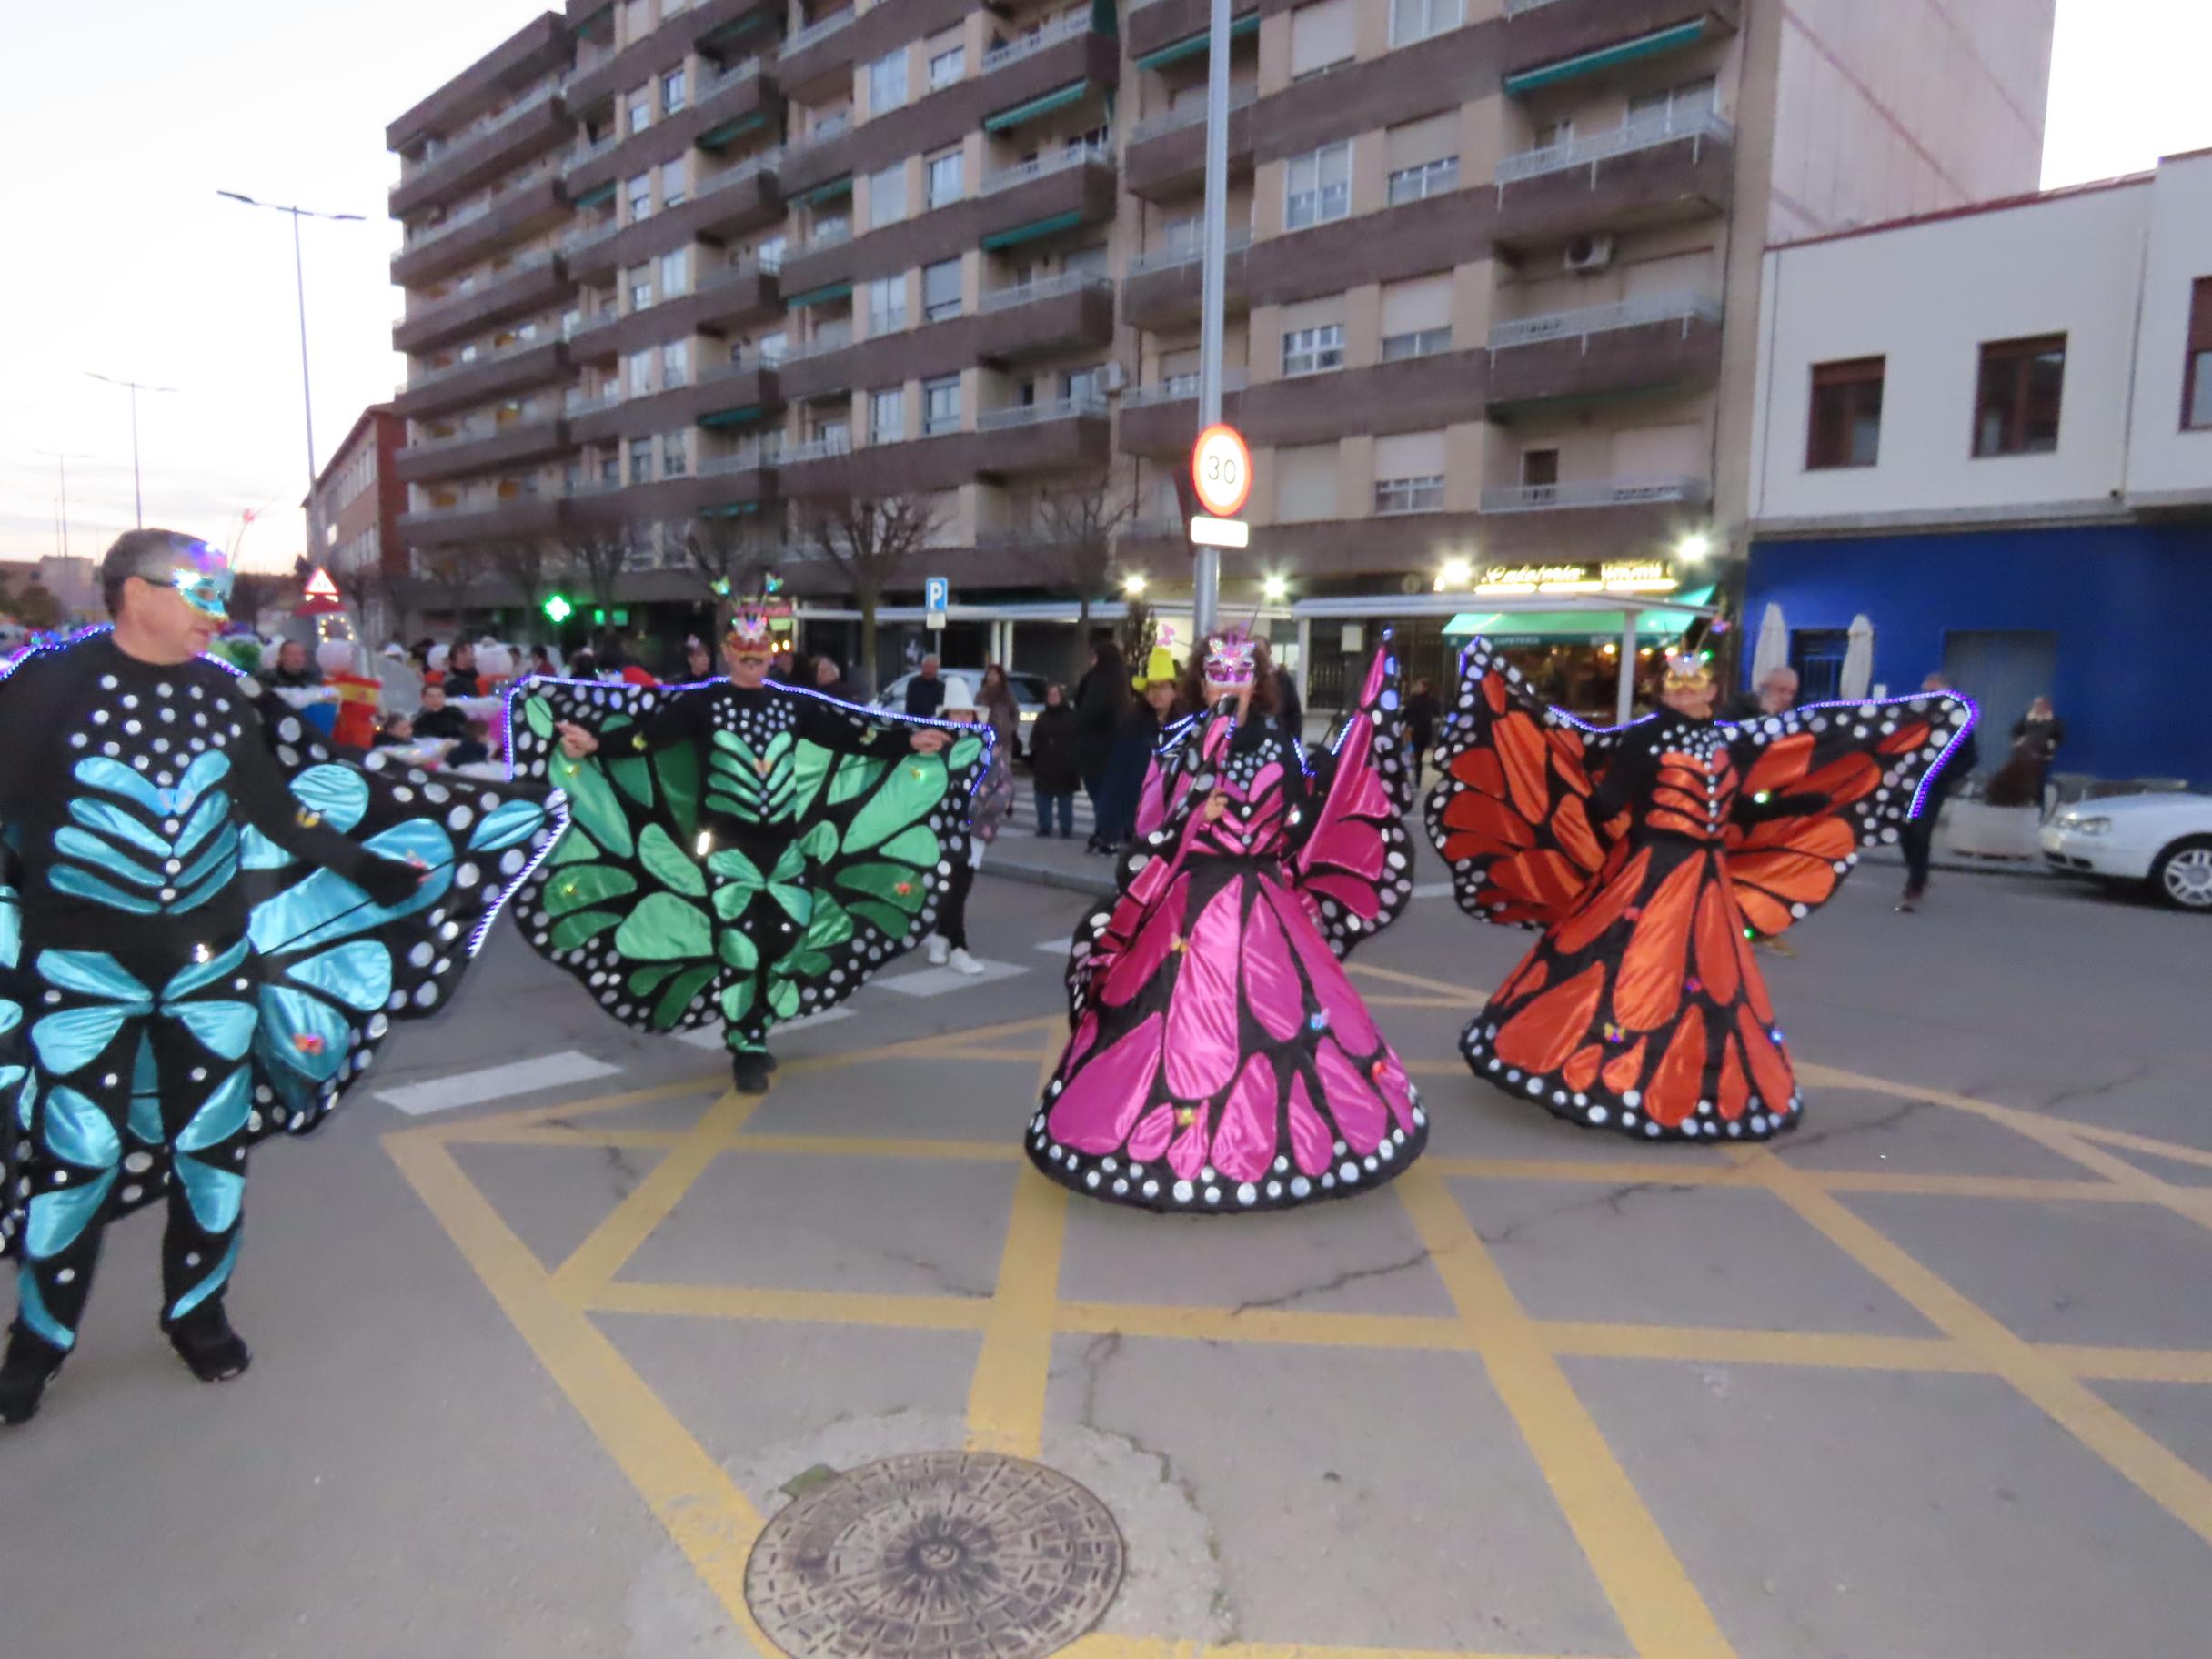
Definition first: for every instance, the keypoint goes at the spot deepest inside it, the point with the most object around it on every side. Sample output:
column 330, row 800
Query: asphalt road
column 1936, row 1380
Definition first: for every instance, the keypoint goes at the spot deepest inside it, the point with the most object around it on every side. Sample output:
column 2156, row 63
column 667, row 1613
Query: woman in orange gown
column 1653, row 855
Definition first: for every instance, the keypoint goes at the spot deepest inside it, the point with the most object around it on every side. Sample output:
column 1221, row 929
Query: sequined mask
column 1688, row 671
column 752, row 626
column 203, row 577
column 1232, row 661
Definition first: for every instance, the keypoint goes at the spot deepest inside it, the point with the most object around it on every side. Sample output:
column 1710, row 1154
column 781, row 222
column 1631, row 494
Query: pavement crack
column 1354, row 1276
column 2094, row 1092
column 1614, row 1199
column 626, row 1173
column 1888, row 1119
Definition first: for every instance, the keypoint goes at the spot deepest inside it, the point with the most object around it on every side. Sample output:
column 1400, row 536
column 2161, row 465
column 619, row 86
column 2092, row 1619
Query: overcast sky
column 122, row 119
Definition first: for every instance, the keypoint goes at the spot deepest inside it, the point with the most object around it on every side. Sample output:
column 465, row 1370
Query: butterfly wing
column 1822, row 782
column 1510, row 811
column 1165, row 782
column 1354, row 864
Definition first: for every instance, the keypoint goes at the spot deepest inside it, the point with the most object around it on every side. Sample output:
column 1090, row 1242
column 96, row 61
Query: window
column 1421, row 158
column 640, row 373
column 1539, row 468
column 945, row 181
column 2197, row 368
column 941, row 405
column 636, row 20
column 2016, row 404
column 1317, row 189
column 641, row 292
column 1416, row 317
column 675, row 364
column 1681, row 104
column 641, row 460
column 1845, row 427
column 887, row 305
column 1417, row 343
column 676, row 273
column 1310, row 351
column 1410, row 473
column 1428, row 178
column 1183, row 235
column 941, row 290
column 887, row 196
column 671, row 92
column 674, row 463
column 947, row 67
column 773, row 346
column 1553, row 134
column 640, row 113
column 1416, row 20
column 1323, row 35
column 886, row 415
column 1305, row 483
column 1087, row 385
column 886, row 82
column 641, row 197
column 672, row 187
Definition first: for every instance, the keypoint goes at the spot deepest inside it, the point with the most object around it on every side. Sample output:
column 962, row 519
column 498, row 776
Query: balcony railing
column 815, row 33
column 828, row 234
column 1682, row 307
column 454, row 301
column 739, row 270
column 578, row 403
column 435, row 150
column 835, row 126
column 743, row 70
column 1192, row 113
column 445, row 226
column 590, row 325
column 575, row 488
column 1177, row 388
column 1605, row 492
column 1029, row 45
column 825, row 341
column 1645, row 133
column 1037, row 414
column 575, row 241
column 1044, row 166
column 747, row 459
column 477, row 435
column 513, row 348
column 767, row 161
column 1513, row 9
column 589, row 154
column 819, row 449
column 1045, row 288
column 1168, row 259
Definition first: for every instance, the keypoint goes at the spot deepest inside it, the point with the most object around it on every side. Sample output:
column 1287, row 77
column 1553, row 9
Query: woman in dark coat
column 2036, row 738
column 1053, row 773
column 1101, row 698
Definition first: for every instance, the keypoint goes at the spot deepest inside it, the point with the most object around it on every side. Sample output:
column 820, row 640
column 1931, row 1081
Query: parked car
column 1029, row 697
column 2164, row 841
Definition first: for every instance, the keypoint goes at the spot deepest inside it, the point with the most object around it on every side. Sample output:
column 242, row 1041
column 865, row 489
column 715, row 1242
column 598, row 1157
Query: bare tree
column 529, row 567
column 601, row 554
column 360, row 585
column 730, row 557
column 449, row 573
column 1070, row 541
column 870, row 539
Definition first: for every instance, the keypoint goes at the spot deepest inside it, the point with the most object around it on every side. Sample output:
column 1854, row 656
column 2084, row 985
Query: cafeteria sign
column 1612, row 576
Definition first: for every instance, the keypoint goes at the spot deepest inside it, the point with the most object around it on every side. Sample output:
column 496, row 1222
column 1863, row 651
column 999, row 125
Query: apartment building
column 1989, row 432
column 354, row 512
column 1492, row 284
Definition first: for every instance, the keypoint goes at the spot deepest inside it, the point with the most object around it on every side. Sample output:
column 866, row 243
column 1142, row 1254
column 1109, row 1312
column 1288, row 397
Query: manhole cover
column 936, row 1556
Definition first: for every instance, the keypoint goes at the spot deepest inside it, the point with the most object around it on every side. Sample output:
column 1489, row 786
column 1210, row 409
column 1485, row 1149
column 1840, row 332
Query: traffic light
column 557, row 609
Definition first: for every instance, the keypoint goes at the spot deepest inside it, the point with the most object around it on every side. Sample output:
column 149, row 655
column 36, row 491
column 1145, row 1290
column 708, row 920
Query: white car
column 2162, row 839
column 1027, row 688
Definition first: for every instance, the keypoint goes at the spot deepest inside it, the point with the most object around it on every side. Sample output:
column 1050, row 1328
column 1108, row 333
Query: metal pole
column 1625, row 701
column 1206, row 570
column 137, row 489
column 299, row 283
column 65, row 466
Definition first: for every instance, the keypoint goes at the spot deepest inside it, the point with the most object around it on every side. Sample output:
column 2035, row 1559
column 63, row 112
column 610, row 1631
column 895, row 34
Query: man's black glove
column 389, row 881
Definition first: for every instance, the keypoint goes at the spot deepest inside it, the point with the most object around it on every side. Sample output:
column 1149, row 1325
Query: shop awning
column 1609, row 57
column 823, row 294
column 1194, row 46
column 1059, row 97
column 593, row 198
column 1031, row 231
column 729, row 130
column 1569, row 626
column 732, row 417
column 841, row 186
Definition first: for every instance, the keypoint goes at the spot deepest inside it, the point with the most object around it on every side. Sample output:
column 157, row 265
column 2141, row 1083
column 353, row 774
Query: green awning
column 1031, row 232
column 736, row 509
column 723, row 134
column 731, row 31
column 1195, row 46
column 593, row 197
column 732, row 417
column 823, row 294
column 1059, row 97
column 1609, row 57
column 827, row 193
column 1580, row 626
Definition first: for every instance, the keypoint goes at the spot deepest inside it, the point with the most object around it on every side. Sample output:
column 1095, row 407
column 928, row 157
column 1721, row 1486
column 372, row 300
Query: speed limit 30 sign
column 1220, row 468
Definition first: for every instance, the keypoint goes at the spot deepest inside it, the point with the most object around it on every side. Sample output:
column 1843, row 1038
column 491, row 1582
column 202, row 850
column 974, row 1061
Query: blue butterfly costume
column 207, row 926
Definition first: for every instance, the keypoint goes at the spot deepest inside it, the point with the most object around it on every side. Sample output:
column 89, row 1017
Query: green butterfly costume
column 746, row 855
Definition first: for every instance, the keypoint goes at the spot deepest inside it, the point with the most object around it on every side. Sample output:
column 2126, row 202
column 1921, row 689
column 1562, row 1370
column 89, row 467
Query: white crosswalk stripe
column 710, row 1036
column 495, row 1082
column 939, row 981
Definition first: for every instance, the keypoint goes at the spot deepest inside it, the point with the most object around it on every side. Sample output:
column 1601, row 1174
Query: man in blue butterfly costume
column 206, row 926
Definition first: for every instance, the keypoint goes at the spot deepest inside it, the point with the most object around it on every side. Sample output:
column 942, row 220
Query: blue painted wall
column 2131, row 605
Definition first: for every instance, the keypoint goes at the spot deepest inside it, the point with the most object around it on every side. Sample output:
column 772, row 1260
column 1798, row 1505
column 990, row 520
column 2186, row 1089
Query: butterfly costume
column 1220, row 1060
column 1652, row 856
column 746, row 855
column 207, row 927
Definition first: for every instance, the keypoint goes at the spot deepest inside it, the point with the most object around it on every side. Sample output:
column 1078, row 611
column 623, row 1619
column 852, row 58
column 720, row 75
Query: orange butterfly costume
column 1651, row 855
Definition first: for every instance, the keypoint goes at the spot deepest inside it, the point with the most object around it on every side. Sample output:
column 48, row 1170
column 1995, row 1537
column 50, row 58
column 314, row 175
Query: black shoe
column 30, row 1364
column 205, row 1343
column 748, row 1071
column 1911, row 901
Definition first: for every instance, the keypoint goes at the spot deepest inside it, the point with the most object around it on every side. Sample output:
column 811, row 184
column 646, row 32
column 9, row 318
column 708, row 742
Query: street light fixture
column 1457, row 575
column 62, row 461
column 1133, row 584
column 1693, row 547
column 299, row 284
column 134, row 387
column 1274, row 590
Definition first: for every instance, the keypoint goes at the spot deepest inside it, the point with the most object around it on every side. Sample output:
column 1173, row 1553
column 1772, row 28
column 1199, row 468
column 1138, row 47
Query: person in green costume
column 737, row 850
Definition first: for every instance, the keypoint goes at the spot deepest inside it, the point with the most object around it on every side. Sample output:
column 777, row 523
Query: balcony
column 1044, row 196
column 472, row 234
column 499, row 374
column 1152, row 26
column 1658, row 171
column 517, row 518
column 707, row 492
column 709, row 26
column 535, row 281
column 723, row 297
column 481, row 449
column 527, row 56
column 1166, row 152
column 1546, row 42
column 1647, row 345
column 819, row 53
column 485, row 149
column 1051, row 315
column 724, row 106
column 1162, row 420
column 1045, row 438
column 1034, row 75
column 1596, row 493
column 1160, row 290
column 729, row 205
column 720, row 395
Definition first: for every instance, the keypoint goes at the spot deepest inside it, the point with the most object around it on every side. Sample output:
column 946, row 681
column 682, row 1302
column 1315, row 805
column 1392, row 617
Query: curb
column 1044, row 875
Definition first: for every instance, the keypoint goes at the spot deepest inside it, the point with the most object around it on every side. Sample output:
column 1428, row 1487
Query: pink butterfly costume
column 1220, row 1059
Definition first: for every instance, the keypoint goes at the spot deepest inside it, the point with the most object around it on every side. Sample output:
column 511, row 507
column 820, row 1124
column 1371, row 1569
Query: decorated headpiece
column 1159, row 669
column 1688, row 671
column 1233, row 659
column 168, row 558
column 752, row 624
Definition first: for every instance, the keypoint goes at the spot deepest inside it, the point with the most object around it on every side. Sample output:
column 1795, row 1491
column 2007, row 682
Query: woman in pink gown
column 1220, row 1060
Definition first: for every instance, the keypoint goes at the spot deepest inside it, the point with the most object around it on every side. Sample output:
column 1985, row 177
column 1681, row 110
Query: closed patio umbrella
column 1773, row 648
column 1858, row 659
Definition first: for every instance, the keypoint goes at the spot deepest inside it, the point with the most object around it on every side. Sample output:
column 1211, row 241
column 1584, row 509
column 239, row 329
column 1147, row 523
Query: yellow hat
column 1159, row 668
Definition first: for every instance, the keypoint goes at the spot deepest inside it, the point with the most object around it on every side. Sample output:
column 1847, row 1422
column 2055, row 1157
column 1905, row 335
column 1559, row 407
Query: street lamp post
column 134, row 387
column 1206, row 571
column 62, row 461
column 299, row 284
